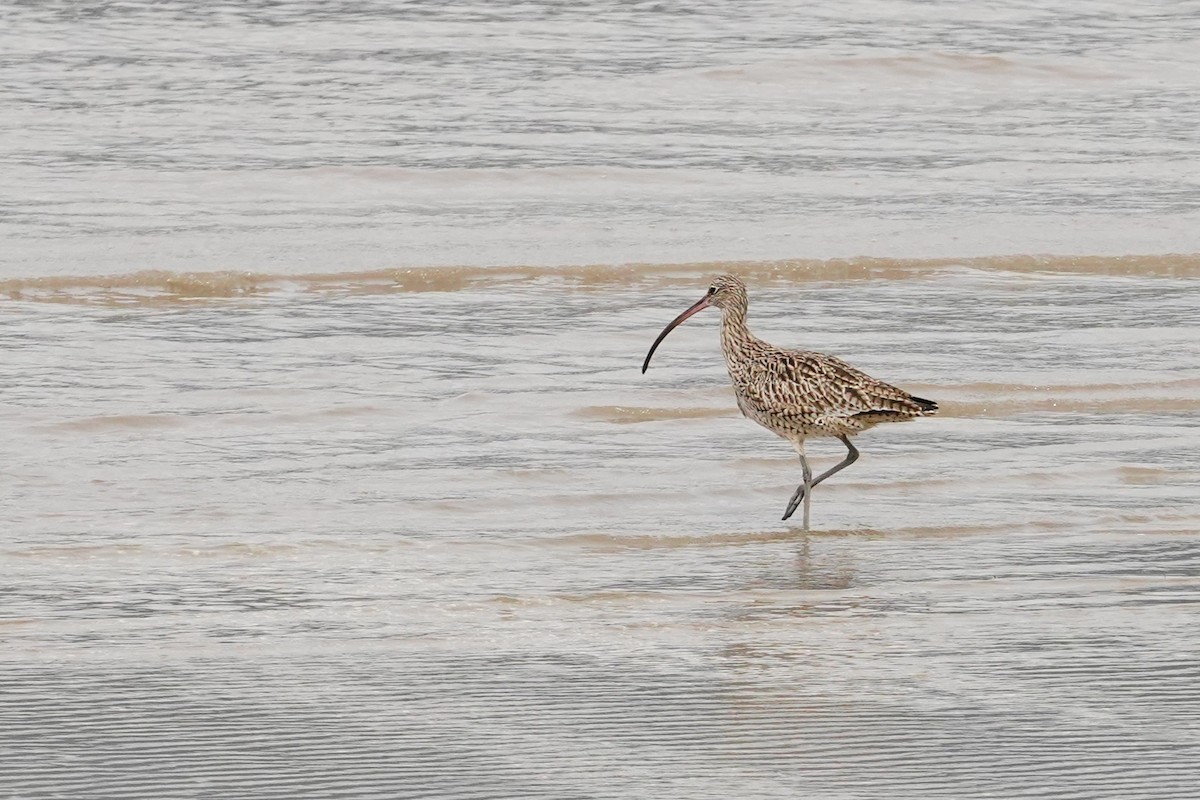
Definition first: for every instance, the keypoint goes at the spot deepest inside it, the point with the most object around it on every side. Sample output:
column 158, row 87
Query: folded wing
column 809, row 389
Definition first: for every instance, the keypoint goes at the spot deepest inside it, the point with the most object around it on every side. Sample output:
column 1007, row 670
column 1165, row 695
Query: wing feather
column 815, row 389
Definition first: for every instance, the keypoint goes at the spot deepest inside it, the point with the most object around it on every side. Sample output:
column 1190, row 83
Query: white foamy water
column 291, row 508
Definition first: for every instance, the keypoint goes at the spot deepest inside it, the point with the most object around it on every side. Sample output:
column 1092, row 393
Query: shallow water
column 453, row 543
column 348, row 135
column 291, row 508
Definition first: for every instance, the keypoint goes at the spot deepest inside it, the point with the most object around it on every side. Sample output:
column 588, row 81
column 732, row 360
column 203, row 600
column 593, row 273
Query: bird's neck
column 736, row 339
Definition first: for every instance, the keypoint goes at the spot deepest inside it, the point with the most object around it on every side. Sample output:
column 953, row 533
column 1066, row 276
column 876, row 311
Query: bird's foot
column 794, row 503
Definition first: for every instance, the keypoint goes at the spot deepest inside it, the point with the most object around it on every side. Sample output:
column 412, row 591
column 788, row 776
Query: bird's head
column 726, row 292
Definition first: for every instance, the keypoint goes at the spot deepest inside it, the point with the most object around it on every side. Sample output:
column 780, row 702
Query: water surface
column 329, row 469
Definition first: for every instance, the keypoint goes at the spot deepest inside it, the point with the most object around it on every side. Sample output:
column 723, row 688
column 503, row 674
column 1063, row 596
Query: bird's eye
column 712, row 290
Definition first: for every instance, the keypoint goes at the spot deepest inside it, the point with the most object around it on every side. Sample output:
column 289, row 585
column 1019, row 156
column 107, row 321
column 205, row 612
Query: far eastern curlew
column 798, row 393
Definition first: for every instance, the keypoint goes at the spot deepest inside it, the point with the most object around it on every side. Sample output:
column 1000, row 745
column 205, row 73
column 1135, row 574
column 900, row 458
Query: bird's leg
column 808, row 484
column 803, row 490
column 851, row 457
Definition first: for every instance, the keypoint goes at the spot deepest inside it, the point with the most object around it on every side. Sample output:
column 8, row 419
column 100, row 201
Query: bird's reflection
column 830, row 569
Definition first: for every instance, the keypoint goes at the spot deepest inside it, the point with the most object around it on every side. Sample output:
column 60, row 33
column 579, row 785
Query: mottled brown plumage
column 798, row 393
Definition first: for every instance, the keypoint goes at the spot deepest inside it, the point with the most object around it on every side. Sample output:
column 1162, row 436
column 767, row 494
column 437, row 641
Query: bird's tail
column 927, row 406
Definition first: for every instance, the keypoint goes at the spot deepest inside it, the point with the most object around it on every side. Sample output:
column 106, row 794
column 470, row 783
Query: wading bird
column 797, row 393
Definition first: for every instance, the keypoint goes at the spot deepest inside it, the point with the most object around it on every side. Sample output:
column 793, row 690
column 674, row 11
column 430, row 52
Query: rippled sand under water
column 439, row 537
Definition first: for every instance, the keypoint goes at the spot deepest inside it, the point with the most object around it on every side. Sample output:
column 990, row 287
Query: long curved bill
column 703, row 304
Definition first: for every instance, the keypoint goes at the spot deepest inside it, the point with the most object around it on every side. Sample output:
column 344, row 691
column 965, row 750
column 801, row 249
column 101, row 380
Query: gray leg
column 802, row 491
column 805, row 489
column 808, row 484
column 851, row 457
